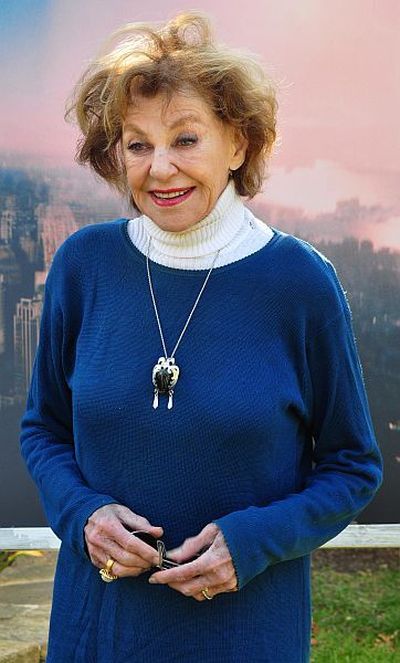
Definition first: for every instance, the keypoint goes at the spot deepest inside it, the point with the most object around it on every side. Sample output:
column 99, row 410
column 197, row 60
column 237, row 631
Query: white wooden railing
column 353, row 536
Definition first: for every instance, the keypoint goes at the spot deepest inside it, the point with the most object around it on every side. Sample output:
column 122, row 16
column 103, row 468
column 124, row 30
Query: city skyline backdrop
column 339, row 92
column 334, row 179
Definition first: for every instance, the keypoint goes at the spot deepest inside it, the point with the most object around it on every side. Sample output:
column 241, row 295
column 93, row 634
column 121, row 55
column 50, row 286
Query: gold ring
column 206, row 594
column 106, row 574
column 109, row 564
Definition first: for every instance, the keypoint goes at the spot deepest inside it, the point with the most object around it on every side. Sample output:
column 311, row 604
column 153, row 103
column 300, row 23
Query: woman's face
column 164, row 149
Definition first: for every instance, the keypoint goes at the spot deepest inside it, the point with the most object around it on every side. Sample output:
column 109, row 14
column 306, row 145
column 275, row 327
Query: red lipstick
column 185, row 188
column 170, row 202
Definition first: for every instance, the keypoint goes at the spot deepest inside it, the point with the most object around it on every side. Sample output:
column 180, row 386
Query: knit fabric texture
column 270, row 437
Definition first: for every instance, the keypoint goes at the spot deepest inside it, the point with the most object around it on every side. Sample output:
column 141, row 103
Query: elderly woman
column 197, row 421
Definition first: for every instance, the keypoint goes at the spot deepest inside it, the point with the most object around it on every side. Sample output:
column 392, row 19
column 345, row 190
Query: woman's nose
column 161, row 164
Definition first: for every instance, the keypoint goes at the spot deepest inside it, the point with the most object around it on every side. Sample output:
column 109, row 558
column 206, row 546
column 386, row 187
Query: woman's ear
column 240, row 145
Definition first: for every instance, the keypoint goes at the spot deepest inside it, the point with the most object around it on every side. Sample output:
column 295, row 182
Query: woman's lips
column 170, row 202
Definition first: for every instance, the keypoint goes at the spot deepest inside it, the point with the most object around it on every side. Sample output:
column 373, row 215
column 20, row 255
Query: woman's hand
column 107, row 537
column 213, row 569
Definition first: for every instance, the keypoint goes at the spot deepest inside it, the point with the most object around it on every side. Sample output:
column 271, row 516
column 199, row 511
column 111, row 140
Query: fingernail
column 153, row 580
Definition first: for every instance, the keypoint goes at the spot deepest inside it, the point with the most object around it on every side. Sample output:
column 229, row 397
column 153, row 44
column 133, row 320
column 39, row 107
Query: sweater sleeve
column 46, row 427
column 347, row 462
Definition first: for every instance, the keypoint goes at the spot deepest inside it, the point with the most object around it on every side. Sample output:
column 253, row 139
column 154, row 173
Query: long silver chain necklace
column 166, row 372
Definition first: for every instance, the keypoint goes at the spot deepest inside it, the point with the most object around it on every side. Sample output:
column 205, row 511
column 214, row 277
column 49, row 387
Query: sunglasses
column 159, row 545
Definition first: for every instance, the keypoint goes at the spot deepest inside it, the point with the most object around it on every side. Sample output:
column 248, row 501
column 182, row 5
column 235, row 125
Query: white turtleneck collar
column 229, row 227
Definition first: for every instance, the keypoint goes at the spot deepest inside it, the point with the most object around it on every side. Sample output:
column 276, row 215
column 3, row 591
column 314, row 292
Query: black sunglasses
column 159, row 545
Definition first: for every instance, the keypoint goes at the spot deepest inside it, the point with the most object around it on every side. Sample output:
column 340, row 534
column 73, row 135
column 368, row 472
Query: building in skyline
column 2, row 314
column 54, row 224
column 7, row 220
column 26, row 340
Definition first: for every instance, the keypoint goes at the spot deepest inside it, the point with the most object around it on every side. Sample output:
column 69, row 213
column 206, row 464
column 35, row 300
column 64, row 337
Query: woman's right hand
column 106, row 537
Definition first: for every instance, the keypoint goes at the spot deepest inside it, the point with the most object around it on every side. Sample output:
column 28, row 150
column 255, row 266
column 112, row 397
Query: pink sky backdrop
column 337, row 64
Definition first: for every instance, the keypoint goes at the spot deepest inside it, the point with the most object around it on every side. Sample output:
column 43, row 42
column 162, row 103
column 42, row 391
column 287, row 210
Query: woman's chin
column 174, row 225
column 174, row 220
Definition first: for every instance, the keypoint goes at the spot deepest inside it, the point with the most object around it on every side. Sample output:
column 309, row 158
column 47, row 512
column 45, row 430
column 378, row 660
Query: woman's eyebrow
column 185, row 118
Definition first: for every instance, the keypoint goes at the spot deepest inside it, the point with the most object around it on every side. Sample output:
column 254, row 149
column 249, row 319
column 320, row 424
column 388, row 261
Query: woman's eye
column 183, row 140
column 191, row 139
column 135, row 147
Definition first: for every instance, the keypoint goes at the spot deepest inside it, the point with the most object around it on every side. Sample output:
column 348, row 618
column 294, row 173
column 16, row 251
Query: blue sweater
column 270, row 437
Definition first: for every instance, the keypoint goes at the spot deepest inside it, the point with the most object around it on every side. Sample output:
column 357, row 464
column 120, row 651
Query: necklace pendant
column 164, row 377
column 155, row 399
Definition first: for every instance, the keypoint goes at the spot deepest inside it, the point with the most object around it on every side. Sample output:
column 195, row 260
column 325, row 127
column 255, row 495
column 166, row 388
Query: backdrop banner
column 333, row 181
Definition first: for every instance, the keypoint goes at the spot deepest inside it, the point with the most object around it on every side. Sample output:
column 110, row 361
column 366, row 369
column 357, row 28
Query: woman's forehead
column 170, row 108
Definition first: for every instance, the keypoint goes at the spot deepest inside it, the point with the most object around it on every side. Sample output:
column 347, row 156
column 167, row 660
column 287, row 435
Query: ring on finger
column 109, row 564
column 206, row 594
column 105, row 573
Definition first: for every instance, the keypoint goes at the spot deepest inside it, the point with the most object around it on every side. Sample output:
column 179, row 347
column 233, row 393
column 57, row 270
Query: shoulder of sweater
column 85, row 242
column 90, row 233
column 317, row 280
column 76, row 260
column 302, row 248
column 306, row 272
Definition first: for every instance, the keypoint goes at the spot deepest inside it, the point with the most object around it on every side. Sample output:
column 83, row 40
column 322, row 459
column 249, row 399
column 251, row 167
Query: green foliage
column 7, row 557
column 356, row 616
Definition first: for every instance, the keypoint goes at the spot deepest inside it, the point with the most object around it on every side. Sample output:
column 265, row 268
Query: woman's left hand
column 212, row 569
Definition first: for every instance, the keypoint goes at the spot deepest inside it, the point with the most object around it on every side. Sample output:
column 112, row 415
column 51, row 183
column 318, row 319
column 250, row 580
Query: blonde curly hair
column 172, row 57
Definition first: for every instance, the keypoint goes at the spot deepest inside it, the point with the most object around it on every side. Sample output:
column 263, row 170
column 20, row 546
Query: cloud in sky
column 318, row 187
column 336, row 62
